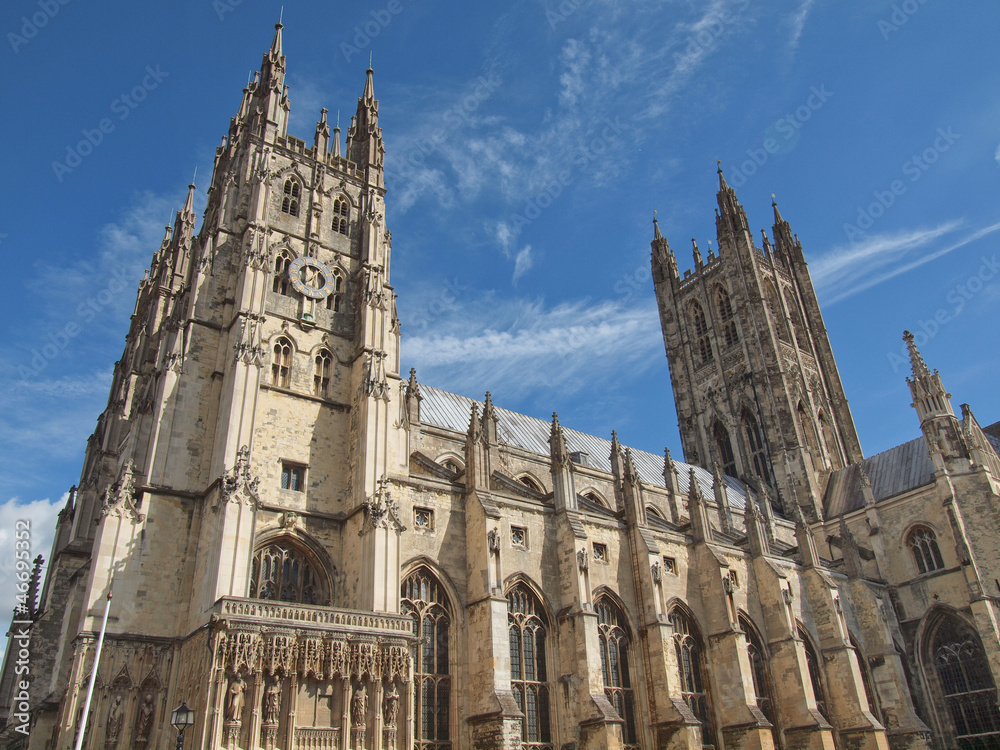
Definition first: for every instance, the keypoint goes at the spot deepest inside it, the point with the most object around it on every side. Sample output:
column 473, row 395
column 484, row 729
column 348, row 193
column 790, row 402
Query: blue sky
column 528, row 144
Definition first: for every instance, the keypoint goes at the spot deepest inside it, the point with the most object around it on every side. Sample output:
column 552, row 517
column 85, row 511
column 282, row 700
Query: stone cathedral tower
column 754, row 379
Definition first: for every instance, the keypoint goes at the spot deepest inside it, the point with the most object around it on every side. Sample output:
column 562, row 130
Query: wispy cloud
column 848, row 270
column 798, row 23
column 522, row 347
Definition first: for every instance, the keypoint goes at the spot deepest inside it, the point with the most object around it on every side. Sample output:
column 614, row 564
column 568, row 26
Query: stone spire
column 322, row 137
column 930, row 398
column 786, row 245
column 413, row 397
column 758, row 537
column 557, row 443
column 336, row 138
column 489, row 420
column 807, row 545
column 731, row 219
column 663, row 260
column 698, row 263
column 364, row 138
column 721, row 498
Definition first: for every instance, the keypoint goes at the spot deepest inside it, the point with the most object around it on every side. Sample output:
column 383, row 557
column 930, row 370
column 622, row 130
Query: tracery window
column 614, row 640
column 281, row 281
column 812, row 662
column 281, row 363
column 425, row 601
column 923, row 544
column 282, row 572
column 702, row 344
column 777, row 316
column 727, row 460
column 758, row 451
column 758, row 670
column 528, row 680
column 530, row 483
column 967, row 684
column 333, row 299
column 341, row 214
column 290, row 202
column 725, row 306
column 688, row 647
column 321, row 377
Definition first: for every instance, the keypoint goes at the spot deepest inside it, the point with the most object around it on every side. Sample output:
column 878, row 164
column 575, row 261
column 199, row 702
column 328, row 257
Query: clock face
column 310, row 278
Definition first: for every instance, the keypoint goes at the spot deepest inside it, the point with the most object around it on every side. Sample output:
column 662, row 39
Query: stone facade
column 317, row 553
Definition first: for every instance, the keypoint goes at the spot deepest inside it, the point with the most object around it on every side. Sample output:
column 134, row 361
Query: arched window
column 281, row 571
column 966, row 684
column 722, row 301
column 281, row 281
column 758, row 451
column 725, row 449
column 424, row 600
column 866, row 681
column 595, row 498
column 702, row 345
column 688, row 647
column 341, row 214
column 614, row 640
column 321, row 378
column 281, row 363
column 530, row 483
column 290, row 201
column 758, row 669
column 812, row 662
column 333, row 299
column 777, row 316
column 828, row 435
column 923, row 544
column 527, row 628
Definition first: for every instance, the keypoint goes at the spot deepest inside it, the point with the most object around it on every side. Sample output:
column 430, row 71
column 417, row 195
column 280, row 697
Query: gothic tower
column 251, row 431
column 754, row 379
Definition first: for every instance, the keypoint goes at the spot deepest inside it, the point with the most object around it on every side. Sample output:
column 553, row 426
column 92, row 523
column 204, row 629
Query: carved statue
column 272, row 699
column 144, row 720
column 115, row 718
column 359, row 706
column 234, row 700
column 390, row 706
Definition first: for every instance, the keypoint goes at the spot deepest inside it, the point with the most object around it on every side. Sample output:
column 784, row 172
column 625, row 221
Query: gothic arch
column 814, row 662
column 692, row 665
column 310, row 551
column 595, row 497
column 450, row 589
column 760, row 660
column 777, row 313
column 612, row 595
column 530, row 481
column 723, row 442
column 920, row 540
column 530, row 634
column 618, row 665
column 452, row 457
column 956, row 673
column 523, row 578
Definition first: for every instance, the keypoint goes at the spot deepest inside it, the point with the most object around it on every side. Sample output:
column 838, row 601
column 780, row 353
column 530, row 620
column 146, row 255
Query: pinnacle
column 916, row 361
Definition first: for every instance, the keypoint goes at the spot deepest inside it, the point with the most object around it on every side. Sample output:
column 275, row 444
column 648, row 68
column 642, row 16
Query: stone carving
column 390, row 706
column 381, row 510
column 238, row 486
column 376, row 382
column 116, row 716
column 657, row 572
column 120, row 498
column 359, row 705
column 144, row 722
column 235, row 698
column 493, row 541
column 272, row 700
column 582, row 560
column 249, row 348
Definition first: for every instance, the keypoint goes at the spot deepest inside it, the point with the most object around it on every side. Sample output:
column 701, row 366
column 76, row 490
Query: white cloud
column 848, row 270
column 40, row 516
column 523, row 347
column 798, row 22
column 523, row 262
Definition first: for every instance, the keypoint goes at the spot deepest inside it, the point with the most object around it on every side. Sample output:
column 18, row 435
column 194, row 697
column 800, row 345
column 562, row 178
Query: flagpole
column 93, row 673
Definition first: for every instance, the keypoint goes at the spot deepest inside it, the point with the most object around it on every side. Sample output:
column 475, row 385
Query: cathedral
column 314, row 550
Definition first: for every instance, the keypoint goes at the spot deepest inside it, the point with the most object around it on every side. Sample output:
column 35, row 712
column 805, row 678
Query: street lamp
column 181, row 718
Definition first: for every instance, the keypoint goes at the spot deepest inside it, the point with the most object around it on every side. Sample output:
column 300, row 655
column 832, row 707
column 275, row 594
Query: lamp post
column 181, row 718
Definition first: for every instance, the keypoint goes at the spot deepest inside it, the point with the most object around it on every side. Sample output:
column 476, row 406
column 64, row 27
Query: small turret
column 698, row 263
column 364, row 138
column 787, row 247
column 322, row 137
column 413, row 398
column 701, row 528
column 732, row 219
column 663, row 260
